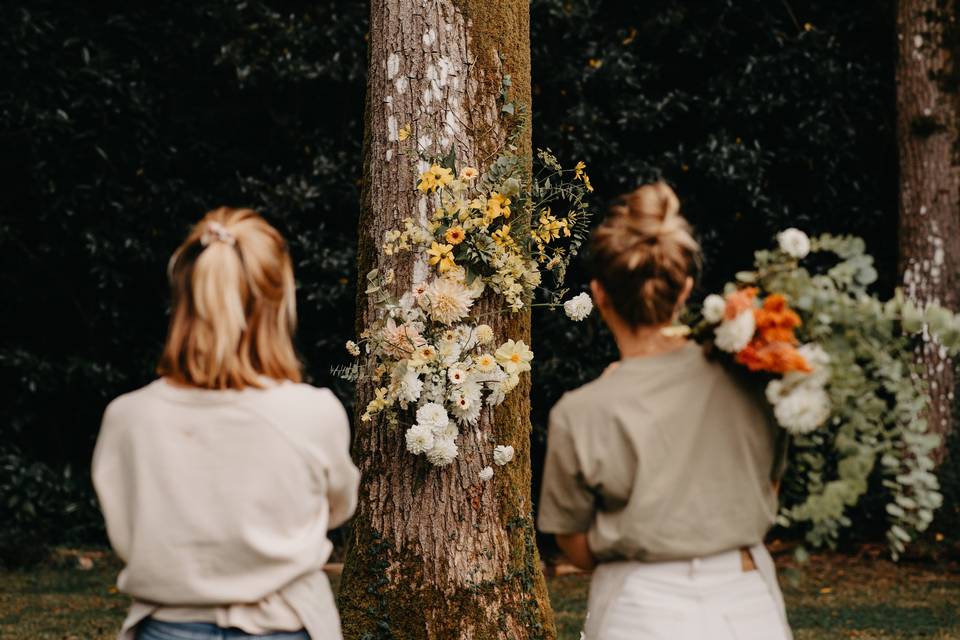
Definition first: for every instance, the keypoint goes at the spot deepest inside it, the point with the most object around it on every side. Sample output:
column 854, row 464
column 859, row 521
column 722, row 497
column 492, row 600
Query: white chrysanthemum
column 448, row 300
column 442, row 453
column 733, row 335
column 419, row 439
column 502, row 454
column 483, row 334
column 448, row 432
column 485, row 474
column 803, row 409
column 713, row 308
column 352, row 348
column 794, row 242
column 578, row 307
column 410, row 386
column 432, row 415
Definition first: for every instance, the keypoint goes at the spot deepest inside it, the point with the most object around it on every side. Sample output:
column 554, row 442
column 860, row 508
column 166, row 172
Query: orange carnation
column 776, row 321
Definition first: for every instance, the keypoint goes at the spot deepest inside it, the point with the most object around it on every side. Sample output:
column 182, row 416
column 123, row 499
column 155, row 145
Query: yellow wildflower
column 586, row 183
column 455, row 235
column 436, row 177
column 502, row 236
column 439, row 253
column 468, row 173
column 404, row 132
column 578, row 170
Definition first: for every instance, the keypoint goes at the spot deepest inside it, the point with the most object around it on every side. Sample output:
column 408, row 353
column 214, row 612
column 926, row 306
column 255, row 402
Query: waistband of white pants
column 723, row 563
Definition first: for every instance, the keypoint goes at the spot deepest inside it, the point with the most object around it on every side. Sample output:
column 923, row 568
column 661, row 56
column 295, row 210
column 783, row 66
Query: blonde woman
column 219, row 480
column 659, row 473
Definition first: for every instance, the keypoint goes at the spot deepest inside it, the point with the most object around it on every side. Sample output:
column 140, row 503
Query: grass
column 833, row 597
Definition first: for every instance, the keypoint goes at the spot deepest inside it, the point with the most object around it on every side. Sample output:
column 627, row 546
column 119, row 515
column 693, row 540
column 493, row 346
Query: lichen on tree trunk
column 927, row 132
column 438, row 553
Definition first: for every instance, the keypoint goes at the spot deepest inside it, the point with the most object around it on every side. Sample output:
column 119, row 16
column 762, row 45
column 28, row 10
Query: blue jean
column 151, row 629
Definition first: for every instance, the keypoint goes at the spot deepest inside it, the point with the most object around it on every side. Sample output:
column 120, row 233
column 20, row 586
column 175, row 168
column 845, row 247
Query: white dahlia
column 432, row 415
column 442, row 453
column 803, row 409
column 502, row 454
column 733, row 335
column 713, row 308
column 578, row 307
column 419, row 439
column 448, row 300
column 794, row 243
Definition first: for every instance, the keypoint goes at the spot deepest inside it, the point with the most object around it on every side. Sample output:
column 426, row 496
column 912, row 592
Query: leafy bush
column 41, row 507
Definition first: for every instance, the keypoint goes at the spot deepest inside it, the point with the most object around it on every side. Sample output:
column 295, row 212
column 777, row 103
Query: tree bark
column 437, row 553
column 927, row 132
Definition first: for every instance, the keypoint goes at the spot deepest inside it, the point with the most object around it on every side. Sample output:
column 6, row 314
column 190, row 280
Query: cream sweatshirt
column 219, row 503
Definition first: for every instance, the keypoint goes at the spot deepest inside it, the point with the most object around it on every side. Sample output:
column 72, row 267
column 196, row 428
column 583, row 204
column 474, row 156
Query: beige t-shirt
column 666, row 457
column 219, row 503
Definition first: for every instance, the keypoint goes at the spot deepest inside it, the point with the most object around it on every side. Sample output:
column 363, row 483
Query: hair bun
column 643, row 254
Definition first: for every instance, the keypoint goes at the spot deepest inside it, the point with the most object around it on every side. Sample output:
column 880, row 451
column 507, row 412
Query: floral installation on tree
column 432, row 360
column 839, row 365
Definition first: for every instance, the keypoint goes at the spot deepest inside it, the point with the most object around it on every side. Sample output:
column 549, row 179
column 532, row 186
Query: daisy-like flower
column 423, row 355
column 485, row 474
column 448, row 301
column 468, row 173
column 485, row 363
column 514, row 356
column 442, row 453
column 433, row 416
column 455, row 235
column 502, row 454
column 419, row 439
column 466, row 403
column 483, row 333
column 457, row 375
column 441, row 256
column 713, row 308
column 578, row 307
column 352, row 348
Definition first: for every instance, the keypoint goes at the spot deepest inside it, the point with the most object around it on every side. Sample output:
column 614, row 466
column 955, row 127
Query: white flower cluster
column 800, row 401
column 446, row 368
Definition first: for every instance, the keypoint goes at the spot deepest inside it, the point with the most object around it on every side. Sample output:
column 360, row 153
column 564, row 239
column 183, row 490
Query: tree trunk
column 927, row 127
column 437, row 553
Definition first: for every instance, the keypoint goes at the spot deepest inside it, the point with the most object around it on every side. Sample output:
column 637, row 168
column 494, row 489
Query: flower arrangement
column 840, row 377
column 428, row 352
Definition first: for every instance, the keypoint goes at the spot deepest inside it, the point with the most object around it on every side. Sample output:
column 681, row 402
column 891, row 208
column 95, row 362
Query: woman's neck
column 637, row 342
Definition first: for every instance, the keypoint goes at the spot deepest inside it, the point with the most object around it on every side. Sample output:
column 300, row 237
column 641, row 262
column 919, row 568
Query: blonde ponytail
column 234, row 305
column 643, row 253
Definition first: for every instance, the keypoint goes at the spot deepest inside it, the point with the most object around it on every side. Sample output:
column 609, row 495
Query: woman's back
column 220, row 497
column 677, row 453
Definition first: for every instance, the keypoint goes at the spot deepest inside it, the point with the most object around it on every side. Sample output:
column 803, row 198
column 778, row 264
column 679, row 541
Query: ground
column 831, row 598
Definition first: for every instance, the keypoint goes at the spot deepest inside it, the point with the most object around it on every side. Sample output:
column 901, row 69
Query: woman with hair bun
column 220, row 480
column 660, row 474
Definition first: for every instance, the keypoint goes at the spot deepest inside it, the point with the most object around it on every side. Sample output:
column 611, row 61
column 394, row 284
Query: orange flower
column 739, row 301
column 776, row 321
column 775, row 357
column 773, row 348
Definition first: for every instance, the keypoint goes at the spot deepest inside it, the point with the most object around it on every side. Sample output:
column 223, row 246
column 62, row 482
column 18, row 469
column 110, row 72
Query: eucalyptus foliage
column 878, row 398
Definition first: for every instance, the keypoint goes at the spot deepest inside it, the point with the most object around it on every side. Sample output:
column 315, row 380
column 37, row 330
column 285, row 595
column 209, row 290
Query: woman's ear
column 599, row 295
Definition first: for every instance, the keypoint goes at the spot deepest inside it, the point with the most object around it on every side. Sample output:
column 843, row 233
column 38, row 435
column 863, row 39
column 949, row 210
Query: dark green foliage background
column 121, row 123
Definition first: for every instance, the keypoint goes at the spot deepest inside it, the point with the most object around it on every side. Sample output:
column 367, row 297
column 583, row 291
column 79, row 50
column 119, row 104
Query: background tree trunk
column 927, row 131
column 436, row 553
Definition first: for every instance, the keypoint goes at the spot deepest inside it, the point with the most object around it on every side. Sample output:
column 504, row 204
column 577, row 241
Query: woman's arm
column 576, row 549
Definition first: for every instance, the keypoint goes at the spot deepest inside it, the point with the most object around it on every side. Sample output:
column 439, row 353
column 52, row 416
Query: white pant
column 702, row 599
